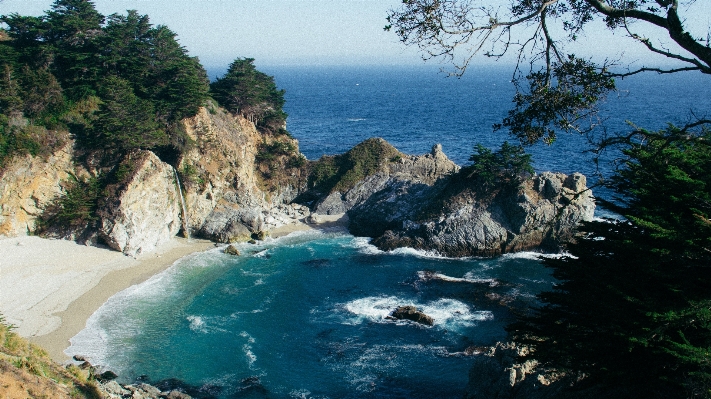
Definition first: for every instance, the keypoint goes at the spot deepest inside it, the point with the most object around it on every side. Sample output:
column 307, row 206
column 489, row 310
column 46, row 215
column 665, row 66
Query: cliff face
column 28, row 185
column 421, row 202
column 143, row 210
column 230, row 194
column 240, row 184
column 234, row 188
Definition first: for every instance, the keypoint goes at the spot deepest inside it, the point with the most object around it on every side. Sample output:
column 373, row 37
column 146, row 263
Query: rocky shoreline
column 398, row 200
column 234, row 191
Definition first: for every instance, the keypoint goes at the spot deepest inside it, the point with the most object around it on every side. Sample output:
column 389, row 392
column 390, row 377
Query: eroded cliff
column 425, row 202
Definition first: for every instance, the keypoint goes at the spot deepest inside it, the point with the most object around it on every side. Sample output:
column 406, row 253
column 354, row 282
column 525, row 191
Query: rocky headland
column 235, row 184
column 239, row 184
column 425, row 202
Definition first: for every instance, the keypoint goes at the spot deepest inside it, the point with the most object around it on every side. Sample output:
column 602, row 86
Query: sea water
column 306, row 315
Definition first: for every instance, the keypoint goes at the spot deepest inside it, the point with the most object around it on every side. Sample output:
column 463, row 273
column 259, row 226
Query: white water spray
column 186, row 232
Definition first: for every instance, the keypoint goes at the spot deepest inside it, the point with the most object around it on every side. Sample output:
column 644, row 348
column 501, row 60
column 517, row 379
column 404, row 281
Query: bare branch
column 658, row 70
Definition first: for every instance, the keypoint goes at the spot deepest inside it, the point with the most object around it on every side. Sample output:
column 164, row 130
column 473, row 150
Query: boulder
column 113, row 388
column 411, row 313
column 178, row 395
column 232, row 250
column 143, row 210
column 107, row 375
column 332, row 204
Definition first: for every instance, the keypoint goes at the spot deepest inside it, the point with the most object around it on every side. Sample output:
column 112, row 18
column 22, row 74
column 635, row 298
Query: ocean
column 304, row 316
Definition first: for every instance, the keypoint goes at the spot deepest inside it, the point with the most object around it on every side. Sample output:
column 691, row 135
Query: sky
column 274, row 32
column 309, row 32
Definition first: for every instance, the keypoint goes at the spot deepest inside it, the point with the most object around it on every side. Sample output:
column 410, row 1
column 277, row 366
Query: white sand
column 49, row 288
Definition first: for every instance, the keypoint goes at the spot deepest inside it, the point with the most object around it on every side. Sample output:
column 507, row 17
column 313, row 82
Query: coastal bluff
column 426, row 202
column 240, row 184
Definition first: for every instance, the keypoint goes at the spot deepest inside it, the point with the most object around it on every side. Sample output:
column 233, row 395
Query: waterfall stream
column 186, row 232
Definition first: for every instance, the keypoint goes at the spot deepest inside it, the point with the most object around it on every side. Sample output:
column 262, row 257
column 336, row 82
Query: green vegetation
column 633, row 310
column 342, row 172
column 507, row 167
column 77, row 207
column 253, row 94
column 17, row 353
column 116, row 83
column 631, row 316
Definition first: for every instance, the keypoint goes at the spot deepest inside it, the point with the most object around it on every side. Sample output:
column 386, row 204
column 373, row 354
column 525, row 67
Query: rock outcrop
column 228, row 197
column 411, row 313
column 240, row 184
column 144, row 208
column 423, row 202
column 498, row 373
column 543, row 212
column 28, row 185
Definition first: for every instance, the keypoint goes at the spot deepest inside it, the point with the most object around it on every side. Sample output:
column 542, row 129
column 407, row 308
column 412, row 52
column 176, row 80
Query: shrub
column 507, row 167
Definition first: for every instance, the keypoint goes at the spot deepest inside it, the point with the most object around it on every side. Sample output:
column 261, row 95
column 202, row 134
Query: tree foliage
column 562, row 89
column 631, row 314
column 53, row 65
column 253, row 94
column 633, row 307
column 507, row 167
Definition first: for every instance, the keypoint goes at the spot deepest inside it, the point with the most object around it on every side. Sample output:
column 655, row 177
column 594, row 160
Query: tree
column 562, row 90
column 125, row 121
column 73, row 27
column 631, row 314
column 253, row 94
column 509, row 166
column 633, row 306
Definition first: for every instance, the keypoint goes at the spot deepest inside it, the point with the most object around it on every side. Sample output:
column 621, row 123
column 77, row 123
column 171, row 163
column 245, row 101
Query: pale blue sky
column 271, row 31
column 335, row 32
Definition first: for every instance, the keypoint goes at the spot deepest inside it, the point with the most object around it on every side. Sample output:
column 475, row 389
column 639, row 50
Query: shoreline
column 49, row 288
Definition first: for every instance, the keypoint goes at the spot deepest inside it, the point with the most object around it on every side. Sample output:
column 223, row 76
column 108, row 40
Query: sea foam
column 446, row 312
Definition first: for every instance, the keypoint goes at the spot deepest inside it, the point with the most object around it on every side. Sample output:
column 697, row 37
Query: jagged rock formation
column 510, row 371
column 144, row 210
column 28, row 185
column 240, row 184
column 230, row 194
column 422, row 202
column 401, row 173
column 497, row 373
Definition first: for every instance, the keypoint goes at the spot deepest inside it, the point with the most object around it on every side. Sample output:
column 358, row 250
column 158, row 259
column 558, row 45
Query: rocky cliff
column 240, row 184
column 237, row 183
column 142, row 211
column 28, row 185
column 424, row 202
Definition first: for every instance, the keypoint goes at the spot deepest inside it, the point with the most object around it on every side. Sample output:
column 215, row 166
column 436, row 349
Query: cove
column 305, row 316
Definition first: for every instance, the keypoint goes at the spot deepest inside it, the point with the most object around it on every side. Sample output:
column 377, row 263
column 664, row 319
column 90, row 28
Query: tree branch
column 672, row 24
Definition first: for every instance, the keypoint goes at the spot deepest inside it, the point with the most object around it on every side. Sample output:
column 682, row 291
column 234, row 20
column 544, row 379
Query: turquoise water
column 305, row 316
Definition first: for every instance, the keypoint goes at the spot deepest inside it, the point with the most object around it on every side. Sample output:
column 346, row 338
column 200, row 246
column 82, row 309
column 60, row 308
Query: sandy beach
column 49, row 288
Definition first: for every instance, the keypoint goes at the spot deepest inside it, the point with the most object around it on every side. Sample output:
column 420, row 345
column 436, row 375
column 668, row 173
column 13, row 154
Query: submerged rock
column 411, row 313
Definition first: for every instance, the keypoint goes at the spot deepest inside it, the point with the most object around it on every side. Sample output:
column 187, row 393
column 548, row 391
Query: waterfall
column 186, row 232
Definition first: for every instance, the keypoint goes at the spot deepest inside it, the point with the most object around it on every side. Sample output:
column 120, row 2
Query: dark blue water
column 304, row 316
column 333, row 108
